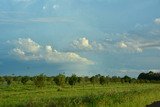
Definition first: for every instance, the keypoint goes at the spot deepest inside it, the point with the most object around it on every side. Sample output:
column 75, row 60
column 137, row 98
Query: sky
column 82, row 37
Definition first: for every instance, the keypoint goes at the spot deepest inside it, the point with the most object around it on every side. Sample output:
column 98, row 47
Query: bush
column 72, row 80
column 60, row 80
column 8, row 79
column 39, row 80
column 24, row 79
column 102, row 80
column 127, row 79
column 93, row 80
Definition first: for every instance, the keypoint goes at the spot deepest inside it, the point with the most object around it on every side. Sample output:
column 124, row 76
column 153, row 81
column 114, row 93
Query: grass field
column 109, row 95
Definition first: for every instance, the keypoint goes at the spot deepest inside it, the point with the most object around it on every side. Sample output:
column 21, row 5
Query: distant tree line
column 61, row 80
column 150, row 76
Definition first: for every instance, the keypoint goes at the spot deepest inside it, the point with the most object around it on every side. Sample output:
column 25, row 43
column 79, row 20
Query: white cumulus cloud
column 157, row 21
column 130, row 46
column 139, row 46
column 84, row 44
column 19, row 52
column 55, row 56
column 123, row 45
column 27, row 49
column 28, row 45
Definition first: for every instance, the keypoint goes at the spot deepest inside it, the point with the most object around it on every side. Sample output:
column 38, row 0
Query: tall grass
column 111, row 95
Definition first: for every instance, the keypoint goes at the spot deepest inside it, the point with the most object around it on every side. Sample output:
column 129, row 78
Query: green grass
column 111, row 95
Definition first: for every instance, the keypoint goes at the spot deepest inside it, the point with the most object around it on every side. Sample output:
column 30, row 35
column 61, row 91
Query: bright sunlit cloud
column 27, row 49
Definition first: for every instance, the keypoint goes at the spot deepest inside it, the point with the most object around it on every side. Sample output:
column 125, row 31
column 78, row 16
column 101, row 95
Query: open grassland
column 109, row 95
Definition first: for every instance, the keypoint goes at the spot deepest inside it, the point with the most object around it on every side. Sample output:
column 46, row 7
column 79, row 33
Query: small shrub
column 72, row 80
column 24, row 80
column 39, row 80
column 102, row 80
column 60, row 80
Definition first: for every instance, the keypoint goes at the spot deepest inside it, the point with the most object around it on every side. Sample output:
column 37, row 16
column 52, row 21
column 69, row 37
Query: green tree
column 127, row 79
column 86, row 79
column 39, row 80
column 24, row 79
column 49, row 80
column 116, row 79
column 80, row 79
column 107, row 79
column 93, row 80
column 102, row 80
column 72, row 80
column 60, row 80
column 142, row 76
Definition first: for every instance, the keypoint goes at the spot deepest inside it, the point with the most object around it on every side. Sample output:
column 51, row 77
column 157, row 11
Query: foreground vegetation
column 61, row 91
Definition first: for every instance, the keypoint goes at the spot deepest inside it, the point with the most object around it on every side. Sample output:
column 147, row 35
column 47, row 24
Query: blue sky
column 85, row 37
